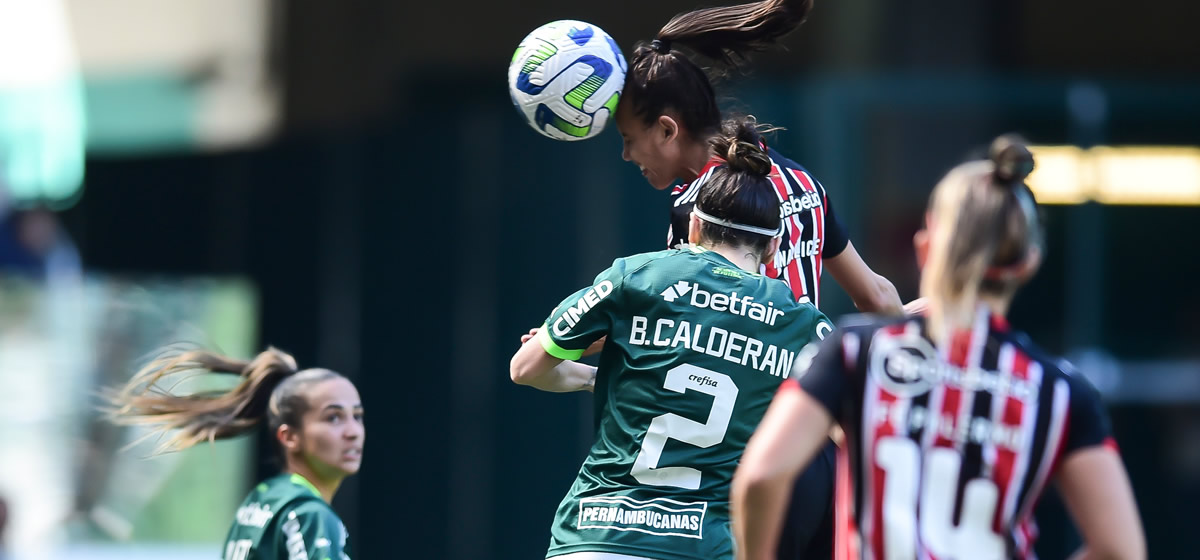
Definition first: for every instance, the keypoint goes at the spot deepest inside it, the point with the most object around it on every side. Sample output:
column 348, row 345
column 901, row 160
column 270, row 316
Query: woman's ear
column 772, row 249
column 289, row 438
column 668, row 128
column 1029, row 267
column 693, row 229
column 921, row 241
column 921, row 245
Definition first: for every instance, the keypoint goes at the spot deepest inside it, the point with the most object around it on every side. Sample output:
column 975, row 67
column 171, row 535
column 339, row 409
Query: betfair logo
column 673, row 292
column 729, row 303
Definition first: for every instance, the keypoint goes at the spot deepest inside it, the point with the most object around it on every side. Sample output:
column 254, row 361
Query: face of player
column 332, row 432
column 655, row 148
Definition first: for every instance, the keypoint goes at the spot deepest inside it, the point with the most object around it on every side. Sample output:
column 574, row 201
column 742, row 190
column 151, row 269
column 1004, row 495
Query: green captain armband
column 553, row 348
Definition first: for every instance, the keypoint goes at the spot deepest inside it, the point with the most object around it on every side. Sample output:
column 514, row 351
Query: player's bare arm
column 532, row 366
column 1096, row 489
column 777, row 452
column 870, row 292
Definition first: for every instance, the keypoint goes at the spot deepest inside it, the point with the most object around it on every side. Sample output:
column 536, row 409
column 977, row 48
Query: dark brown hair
column 986, row 224
column 661, row 79
column 739, row 191
column 271, row 388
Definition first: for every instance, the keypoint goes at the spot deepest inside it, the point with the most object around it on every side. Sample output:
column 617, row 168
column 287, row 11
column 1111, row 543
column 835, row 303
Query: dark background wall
column 406, row 227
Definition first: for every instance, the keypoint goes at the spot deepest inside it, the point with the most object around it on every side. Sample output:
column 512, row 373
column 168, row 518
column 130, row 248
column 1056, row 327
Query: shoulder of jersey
column 1040, row 355
column 782, row 160
column 626, row 266
column 639, row 260
column 777, row 289
column 315, row 506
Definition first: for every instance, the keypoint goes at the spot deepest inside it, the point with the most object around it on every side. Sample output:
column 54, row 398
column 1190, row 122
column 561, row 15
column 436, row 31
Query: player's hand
column 532, row 333
column 916, row 306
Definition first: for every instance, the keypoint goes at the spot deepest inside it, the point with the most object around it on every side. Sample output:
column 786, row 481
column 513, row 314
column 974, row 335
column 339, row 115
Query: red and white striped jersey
column 811, row 229
column 947, row 450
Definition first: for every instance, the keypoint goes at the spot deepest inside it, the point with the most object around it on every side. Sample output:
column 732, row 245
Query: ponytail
column 661, row 79
column 269, row 389
column 985, row 231
column 728, row 34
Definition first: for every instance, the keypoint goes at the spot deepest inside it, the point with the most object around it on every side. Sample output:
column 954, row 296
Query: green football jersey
column 696, row 350
column 284, row 518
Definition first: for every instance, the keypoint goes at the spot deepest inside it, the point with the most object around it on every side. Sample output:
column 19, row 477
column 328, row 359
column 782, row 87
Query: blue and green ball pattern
column 550, row 60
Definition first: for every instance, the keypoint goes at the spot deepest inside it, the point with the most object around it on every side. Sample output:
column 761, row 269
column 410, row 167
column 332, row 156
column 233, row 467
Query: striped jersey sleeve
column 1088, row 424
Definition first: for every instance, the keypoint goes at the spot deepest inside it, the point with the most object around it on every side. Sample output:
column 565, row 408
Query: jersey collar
column 720, row 259
column 712, row 162
column 301, row 481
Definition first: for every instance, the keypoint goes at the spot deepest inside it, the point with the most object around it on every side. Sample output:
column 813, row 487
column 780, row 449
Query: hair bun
column 740, row 143
column 748, row 157
column 1012, row 159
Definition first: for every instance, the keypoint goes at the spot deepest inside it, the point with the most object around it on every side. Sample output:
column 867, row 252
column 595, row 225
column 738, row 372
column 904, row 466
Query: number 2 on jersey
column 672, row 426
column 900, row 458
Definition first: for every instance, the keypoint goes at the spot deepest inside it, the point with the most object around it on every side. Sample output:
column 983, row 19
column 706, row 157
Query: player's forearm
column 758, row 507
column 880, row 297
column 870, row 292
column 566, row 377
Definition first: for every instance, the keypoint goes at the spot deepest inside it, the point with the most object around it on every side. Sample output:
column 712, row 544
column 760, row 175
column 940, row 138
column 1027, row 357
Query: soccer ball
column 566, row 78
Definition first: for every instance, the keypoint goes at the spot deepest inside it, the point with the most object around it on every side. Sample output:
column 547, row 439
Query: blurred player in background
column 3, row 526
column 698, row 343
column 668, row 113
column 315, row 415
column 954, row 421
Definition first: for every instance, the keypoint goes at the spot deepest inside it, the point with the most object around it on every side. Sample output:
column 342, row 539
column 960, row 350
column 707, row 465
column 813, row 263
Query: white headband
column 726, row 223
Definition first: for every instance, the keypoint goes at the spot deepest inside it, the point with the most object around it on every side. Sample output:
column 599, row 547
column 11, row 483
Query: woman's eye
column 333, row 419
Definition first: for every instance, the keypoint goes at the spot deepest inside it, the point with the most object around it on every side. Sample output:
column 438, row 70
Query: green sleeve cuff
column 554, row 349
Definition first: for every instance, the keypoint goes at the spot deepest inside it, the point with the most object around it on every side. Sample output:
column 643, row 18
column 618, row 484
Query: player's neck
column 997, row 305
column 695, row 157
column 327, row 488
column 743, row 257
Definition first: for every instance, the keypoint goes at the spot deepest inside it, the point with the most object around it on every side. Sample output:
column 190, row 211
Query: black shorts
column 808, row 530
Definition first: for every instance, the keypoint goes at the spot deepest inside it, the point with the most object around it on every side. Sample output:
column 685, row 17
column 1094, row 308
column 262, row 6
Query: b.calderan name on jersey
column 730, row 303
column 795, row 204
column 570, row 316
column 713, row 341
column 659, row 516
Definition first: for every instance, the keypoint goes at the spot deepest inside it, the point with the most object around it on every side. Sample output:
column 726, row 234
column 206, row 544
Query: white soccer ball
column 566, row 78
